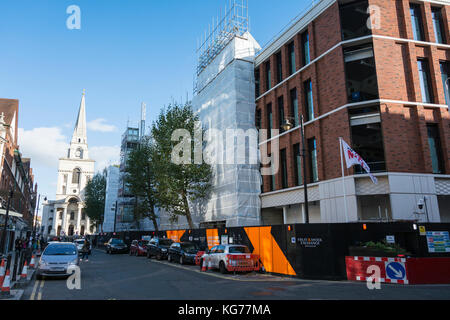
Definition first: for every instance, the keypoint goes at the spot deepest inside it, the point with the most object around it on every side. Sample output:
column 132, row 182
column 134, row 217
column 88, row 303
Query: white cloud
column 100, row 125
column 104, row 156
column 43, row 145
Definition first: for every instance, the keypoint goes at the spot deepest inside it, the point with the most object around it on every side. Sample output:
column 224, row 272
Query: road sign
column 422, row 231
column 390, row 239
column 395, row 270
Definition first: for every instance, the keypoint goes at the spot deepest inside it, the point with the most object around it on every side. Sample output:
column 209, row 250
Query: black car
column 116, row 246
column 183, row 252
column 158, row 248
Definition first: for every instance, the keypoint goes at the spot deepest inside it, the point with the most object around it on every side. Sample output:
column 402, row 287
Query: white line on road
column 36, row 283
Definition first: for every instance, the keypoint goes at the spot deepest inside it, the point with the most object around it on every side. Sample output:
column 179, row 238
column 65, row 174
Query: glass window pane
column 438, row 25
column 416, row 22
column 294, row 108
column 425, row 85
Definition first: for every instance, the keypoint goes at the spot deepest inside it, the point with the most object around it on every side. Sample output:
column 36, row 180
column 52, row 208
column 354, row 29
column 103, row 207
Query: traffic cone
column 2, row 271
column 203, row 265
column 209, row 264
column 6, row 285
column 32, row 261
column 24, row 274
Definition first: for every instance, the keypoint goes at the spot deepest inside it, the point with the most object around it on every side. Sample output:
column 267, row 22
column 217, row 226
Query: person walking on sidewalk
column 18, row 244
column 85, row 250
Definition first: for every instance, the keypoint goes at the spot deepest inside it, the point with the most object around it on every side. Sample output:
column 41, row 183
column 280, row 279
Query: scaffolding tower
column 235, row 22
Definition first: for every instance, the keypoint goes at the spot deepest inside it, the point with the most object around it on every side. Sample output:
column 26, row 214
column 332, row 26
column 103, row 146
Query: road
column 123, row 277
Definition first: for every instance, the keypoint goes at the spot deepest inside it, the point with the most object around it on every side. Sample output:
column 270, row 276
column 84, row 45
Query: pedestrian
column 85, row 250
column 24, row 243
column 18, row 244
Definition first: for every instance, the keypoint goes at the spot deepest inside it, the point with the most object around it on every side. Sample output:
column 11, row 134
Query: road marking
column 36, row 283
column 39, row 297
column 270, row 278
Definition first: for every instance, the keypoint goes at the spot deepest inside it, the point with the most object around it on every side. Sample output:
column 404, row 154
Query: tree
column 94, row 200
column 141, row 180
column 178, row 184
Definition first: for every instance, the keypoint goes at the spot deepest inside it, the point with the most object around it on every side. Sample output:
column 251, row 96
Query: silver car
column 56, row 260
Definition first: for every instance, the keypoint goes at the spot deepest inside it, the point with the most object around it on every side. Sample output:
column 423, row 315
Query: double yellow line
column 39, row 294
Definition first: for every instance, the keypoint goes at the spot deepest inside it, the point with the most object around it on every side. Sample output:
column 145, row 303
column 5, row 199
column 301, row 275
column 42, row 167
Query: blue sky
column 126, row 52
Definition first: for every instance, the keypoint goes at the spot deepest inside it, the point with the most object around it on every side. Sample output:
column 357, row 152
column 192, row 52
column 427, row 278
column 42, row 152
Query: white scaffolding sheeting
column 226, row 100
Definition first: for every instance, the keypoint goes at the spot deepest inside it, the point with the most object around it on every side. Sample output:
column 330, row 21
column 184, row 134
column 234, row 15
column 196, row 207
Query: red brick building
column 378, row 85
column 15, row 172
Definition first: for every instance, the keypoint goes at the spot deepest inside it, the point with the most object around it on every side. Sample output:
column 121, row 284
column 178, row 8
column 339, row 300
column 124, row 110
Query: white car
column 79, row 243
column 230, row 258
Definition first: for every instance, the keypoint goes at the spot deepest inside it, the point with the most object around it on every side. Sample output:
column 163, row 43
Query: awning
column 11, row 213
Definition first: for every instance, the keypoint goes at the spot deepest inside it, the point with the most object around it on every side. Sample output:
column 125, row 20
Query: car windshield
column 60, row 250
column 165, row 242
column 116, row 241
column 189, row 247
column 238, row 250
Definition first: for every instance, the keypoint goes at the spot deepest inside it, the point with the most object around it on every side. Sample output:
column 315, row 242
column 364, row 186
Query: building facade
column 64, row 215
column 111, row 199
column 374, row 73
column 16, row 175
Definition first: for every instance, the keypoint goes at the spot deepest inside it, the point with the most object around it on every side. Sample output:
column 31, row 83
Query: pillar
column 63, row 223
column 78, row 227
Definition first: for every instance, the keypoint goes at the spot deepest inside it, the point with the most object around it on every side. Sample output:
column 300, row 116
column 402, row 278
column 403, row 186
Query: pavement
column 124, row 277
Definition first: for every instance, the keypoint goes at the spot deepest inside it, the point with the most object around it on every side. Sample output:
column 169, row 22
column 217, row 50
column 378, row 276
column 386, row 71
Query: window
column 64, row 190
column 284, row 174
column 297, row 165
column 60, row 215
column 258, row 119
column 83, row 216
column 294, row 107
column 291, row 51
column 438, row 25
column 354, row 17
column 269, row 120
column 305, row 47
column 445, row 73
column 76, row 176
column 425, row 84
column 72, row 215
column 281, row 117
column 312, row 146
column 416, row 22
column 268, row 76
column 367, row 137
column 257, row 83
column 360, row 73
column 279, row 68
column 434, row 143
column 309, row 103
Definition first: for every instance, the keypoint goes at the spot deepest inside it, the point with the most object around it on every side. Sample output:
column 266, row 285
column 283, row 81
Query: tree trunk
column 155, row 223
column 187, row 211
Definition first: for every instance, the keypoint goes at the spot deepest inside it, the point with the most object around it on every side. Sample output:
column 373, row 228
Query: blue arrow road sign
column 395, row 271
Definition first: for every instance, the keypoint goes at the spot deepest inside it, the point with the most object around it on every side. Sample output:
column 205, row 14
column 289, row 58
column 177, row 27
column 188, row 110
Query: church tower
column 74, row 172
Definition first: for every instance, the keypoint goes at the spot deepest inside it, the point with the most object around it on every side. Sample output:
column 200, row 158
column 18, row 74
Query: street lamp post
column 287, row 126
column 35, row 216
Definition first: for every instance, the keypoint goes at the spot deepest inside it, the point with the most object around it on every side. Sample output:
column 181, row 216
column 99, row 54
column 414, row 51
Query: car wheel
column 181, row 260
column 158, row 256
column 201, row 264
column 222, row 267
column 38, row 277
column 130, row 253
column 169, row 258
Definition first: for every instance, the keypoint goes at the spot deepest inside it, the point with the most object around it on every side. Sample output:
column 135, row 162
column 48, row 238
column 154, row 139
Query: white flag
column 352, row 158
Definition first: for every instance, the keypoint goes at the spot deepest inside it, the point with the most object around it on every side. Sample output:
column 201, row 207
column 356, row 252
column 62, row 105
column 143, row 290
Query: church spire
column 79, row 134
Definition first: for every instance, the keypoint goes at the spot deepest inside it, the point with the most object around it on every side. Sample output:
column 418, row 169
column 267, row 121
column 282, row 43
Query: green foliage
column 141, row 180
column 384, row 246
column 178, row 184
column 95, row 193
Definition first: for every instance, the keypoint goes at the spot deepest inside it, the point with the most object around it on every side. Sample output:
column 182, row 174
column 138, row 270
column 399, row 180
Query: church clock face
column 78, row 153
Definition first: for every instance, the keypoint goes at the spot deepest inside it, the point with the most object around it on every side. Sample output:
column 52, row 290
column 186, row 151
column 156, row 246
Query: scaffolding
column 235, row 22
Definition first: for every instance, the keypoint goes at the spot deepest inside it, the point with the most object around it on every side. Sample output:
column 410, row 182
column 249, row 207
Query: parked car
column 231, row 258
column 159, row 248
column 79, row 243
column 57, row 259
column 183, row 252
column 116, row 246
column 138, row 247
